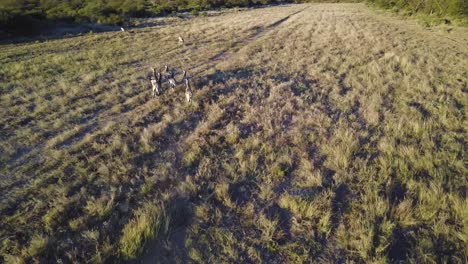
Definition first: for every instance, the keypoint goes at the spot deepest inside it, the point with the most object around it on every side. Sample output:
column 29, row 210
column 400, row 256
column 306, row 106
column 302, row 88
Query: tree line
column 453, row 8
column 26, row 15
column 22, row 16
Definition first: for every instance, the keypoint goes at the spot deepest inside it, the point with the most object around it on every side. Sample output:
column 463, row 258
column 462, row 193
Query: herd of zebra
column 169, row 76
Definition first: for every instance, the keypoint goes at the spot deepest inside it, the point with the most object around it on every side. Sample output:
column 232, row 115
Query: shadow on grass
column 339, row 204
column 284, row 217
column 241, row 192
column 170, row 248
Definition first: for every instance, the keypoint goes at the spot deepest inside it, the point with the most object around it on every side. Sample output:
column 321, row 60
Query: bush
column 432, row 7
column 195, row 12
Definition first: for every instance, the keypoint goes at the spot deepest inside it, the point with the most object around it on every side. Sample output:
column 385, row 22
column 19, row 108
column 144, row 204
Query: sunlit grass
column 331, row 133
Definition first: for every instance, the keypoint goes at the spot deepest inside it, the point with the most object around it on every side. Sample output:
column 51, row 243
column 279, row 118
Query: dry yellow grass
column 317, row 132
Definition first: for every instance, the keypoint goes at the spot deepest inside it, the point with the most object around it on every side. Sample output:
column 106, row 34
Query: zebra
column 156, row 83
column 172, row 81
column 188, row 91
column 167, row 73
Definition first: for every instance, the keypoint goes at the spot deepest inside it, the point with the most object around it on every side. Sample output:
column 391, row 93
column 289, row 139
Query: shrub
column 195, row 12
column 433, row 7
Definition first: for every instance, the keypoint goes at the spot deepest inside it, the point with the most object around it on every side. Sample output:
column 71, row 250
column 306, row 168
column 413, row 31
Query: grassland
column 318, row 133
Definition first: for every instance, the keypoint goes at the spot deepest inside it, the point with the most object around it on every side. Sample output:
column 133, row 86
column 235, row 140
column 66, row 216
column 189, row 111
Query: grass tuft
column 147, row 224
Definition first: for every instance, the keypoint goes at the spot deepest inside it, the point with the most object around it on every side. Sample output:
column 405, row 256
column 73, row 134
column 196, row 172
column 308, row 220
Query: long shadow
column 284, row 217
column 222, row 76
column 308, row 193
column 344, row 89
column 405, row 241
column 281, row 21
column 403, row 244
column 287, row 182
column 339, row 205
column 258, row 31
column 171, row 246
column 301, row 85
column 241, row 192
column 171, row 136
column 421, row 109
column 375, row 237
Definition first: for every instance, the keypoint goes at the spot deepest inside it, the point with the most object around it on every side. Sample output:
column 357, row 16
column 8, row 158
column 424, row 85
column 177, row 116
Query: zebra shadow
column 170, row 247
column 243, row 78
column 222, row 83
column 221, row 77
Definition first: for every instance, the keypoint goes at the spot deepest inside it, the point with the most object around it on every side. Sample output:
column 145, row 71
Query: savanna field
column 318, row 133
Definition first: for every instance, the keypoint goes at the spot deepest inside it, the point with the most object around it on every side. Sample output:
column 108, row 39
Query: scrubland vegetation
column 28, row 17
column 318, row 133
column 31, row 16
column 429, row 12
column 437, row 7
